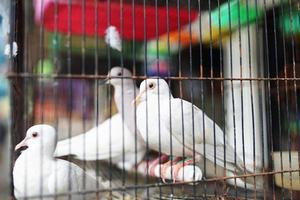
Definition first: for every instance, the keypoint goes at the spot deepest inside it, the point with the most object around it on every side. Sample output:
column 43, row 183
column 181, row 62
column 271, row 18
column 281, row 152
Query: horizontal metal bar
column 93, row 77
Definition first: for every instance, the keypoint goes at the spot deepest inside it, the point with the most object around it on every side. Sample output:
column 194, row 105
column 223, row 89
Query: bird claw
column 165, row 166
column 180, row 165
column 163, row 169
column 150, row 167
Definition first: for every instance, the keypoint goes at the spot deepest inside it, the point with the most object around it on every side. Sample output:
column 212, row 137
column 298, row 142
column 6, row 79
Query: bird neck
column 162, row 97
column 124, row 96
column 41, row 152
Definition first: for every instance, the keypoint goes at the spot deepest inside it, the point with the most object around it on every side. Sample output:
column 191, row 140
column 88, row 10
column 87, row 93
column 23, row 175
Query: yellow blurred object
column 291, row 180
column 4, row 105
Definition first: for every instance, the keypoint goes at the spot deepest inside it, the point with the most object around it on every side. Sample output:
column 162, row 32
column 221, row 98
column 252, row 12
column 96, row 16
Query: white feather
column 14, row 50
column 112, row 38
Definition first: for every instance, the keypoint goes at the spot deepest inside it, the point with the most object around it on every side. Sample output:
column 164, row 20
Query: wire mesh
column 224, row 124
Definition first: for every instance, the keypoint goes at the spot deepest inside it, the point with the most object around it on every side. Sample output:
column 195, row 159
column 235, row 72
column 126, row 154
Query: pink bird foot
column 180, row 165
column 165, row 166
column 150, row 166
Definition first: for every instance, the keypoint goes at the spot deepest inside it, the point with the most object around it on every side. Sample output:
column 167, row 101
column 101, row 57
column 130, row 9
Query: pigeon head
column 116, row 74
column 153, row 86
column 40, row 136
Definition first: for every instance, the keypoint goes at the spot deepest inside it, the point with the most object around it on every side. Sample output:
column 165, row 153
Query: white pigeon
column 156, row 107
column 105, row 141
column 37, row 173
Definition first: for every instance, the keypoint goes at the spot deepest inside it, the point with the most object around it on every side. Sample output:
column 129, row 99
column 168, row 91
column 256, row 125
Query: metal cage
column 236, row 61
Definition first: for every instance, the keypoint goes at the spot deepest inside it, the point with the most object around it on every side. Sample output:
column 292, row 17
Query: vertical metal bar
column 26, row 97
column 192, row 92
column 212, row 90
column 16, row 86
column 70, row 87
column 136, row 132
column 158, row 96
column 251, row 98
column 55, row 56
column 41, row 92
column 262, row 97
column 282, row 11
column 202, row 95
column 268, row 90
column 231, row 90
column 145, row 71
column 56, row 85
column 278, row 93
column 96, row 88
column 294, row 66
column 222, row 87
column 170, row 95
column 122, row 89
column 241, row 91
column 26, row 114
column 109, row 94
column 180, row 75
column 83, row 87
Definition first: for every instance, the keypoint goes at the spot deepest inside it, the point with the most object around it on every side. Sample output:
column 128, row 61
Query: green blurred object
column 294, row 126
column 222, row 20
column 58, row 43
column 152, row 50
column 45, row 67
column 240, row 13
column 290, row 22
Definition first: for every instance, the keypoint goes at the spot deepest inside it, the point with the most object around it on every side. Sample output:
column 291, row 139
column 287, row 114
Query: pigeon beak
column 21, row 144
column 138, row 98
column 104, row 81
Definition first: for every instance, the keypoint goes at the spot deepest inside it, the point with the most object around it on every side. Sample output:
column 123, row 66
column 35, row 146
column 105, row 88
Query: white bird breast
column 27, row 176
column 153, row 121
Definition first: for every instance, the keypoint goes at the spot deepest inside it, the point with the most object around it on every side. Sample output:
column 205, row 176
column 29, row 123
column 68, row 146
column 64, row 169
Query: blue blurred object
column 4, row 84
column 160, row 67
column 2, row 43
column 3, row 88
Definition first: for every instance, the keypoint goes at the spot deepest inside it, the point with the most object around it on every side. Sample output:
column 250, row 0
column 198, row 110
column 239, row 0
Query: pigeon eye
column 119, row 74
column 151, row 85
column 35, row 134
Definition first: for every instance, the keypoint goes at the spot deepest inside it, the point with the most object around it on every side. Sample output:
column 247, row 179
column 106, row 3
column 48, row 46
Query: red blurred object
column 103, row 11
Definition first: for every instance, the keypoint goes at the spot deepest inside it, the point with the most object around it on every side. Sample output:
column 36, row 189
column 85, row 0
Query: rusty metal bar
column 12, row 75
